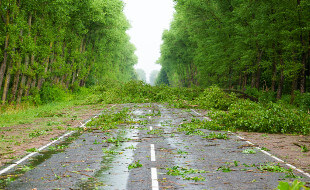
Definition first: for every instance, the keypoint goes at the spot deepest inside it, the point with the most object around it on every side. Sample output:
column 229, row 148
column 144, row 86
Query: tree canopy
column 236, row 43
column 62, row 42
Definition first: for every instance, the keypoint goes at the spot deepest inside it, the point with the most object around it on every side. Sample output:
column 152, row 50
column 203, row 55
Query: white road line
column 278, row 159
column 200, row 114
column 41, row 148
column 238, row 136
column 33, row 153
column 155, row 185
column 151, row 128
column 267, row 153
column 153, row 158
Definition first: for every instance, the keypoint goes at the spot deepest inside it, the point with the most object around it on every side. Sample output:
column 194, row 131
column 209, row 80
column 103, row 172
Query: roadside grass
column 21, row 125
column 31, row 114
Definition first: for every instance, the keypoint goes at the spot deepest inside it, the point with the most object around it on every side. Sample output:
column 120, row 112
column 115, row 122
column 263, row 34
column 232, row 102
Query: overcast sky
column 148, row 19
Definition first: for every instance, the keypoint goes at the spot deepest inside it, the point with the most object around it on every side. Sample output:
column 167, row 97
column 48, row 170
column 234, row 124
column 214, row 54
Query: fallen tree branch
column 244, row 95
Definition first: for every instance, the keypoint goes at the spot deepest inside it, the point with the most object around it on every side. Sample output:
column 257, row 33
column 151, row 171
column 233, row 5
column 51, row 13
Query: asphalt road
column 170, row 159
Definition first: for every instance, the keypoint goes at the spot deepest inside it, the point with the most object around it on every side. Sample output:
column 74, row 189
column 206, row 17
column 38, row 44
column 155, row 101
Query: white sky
column 148, row 19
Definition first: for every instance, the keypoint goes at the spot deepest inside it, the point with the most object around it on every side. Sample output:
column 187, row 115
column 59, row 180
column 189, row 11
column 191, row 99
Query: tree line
column 236, row 44
column 62, row 42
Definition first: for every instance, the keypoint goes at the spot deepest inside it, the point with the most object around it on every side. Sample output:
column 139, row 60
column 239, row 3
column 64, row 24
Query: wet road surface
column 169, row 158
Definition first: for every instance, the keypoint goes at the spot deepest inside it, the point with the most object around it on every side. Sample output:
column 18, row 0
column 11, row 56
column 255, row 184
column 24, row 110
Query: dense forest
column 63, row 43
column 238, row 44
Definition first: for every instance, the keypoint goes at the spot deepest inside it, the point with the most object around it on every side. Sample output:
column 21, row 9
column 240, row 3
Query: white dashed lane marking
column 155, row 185
column 153, row 158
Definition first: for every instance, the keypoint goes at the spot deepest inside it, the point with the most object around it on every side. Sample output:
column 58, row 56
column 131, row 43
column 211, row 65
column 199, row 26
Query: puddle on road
column 138, row 112
column 114, row 173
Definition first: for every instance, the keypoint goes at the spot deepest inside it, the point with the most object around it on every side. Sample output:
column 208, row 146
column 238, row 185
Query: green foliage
column 249, row 151
column 196, row 178
column 32, row 150
column 296, row 185
column 237, row 44
column 178, row 170
column 265, row 149
column 109, row 121
column 37, row 133
column 304, row 148
column 270, row 118
column 136, row 164
column 302, row 101
column 139, row 92
column 262, row 96
column 214, row 97
column 273, row 168
column 182, row 152
column 224, row 169
column 228, row 112
column 217, row 136
column 53, row 93
column 53, row 46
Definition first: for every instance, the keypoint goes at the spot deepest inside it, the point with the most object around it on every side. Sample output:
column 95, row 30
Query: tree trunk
column 294, row 87
column 82, row 83
column 281, row 82
column 23, row 78
column 258, row 72
column 22, row 82
column 31, row 79
column 33, row 83
column 5, row 59
column 6, row 84
column 5, row 52
column 274, row 76
column 253, row 78
column 82, row 49
column 303, row 74
column 304, row 54
column 15, row 82
column 245, row 81
column 257, row 80
column 17, row 73
column 240, row 81
column 73, row 77
column 68, row 78
column 41, row 78
column 73, row 73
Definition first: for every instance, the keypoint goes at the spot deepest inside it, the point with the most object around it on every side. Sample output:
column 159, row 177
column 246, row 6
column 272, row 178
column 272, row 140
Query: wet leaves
column 136, row 164
column 296, row 185
column 213, row 136
column 249, row 151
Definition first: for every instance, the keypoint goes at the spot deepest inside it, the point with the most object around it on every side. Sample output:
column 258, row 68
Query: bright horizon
column 148, row 19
